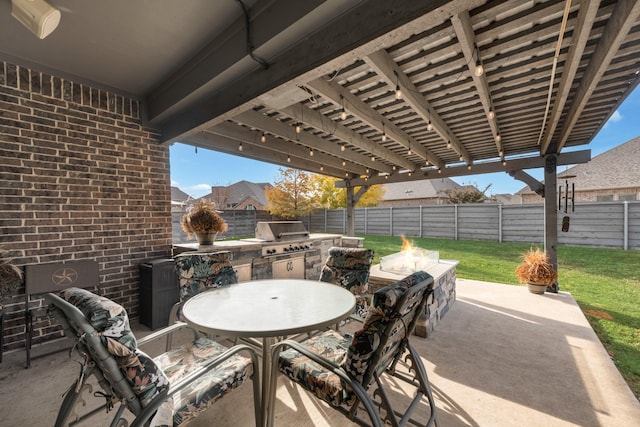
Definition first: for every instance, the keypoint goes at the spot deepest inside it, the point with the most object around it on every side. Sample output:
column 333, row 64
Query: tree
column 332, row 197
column 466, row 194
column 292, row 196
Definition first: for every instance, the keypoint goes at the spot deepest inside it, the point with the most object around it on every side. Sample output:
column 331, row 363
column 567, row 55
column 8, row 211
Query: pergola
column 366, row 91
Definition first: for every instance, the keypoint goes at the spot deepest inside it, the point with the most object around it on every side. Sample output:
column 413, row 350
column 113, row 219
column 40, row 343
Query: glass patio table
column 268, row 309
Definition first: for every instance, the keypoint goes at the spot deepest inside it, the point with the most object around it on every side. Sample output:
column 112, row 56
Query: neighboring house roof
column 241, row 190
column 423, row 189
column 177, row 195
column 615, row 168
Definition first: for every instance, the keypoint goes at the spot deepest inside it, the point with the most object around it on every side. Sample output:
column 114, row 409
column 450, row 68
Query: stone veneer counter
column 444, row 291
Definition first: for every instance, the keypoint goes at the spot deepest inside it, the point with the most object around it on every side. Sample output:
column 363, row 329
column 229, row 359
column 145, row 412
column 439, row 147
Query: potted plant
column 536, row 271
column 10, row 276
column 204, row 221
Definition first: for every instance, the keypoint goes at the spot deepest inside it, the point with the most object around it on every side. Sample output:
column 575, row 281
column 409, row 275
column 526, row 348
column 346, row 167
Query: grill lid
column 278, row 231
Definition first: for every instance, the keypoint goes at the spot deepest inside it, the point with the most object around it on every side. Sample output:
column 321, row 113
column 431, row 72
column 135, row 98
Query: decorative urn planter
column 536, row 271
column 206, row 239
column 203, row 220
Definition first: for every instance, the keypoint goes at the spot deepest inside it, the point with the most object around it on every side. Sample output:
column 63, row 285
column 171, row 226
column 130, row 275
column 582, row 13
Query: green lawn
column 604, row 282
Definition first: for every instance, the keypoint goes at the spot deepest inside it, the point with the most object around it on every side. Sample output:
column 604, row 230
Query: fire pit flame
column 409, row 260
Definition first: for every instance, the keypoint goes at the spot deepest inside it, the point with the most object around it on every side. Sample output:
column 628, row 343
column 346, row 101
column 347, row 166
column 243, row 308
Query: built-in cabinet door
column 291, row 268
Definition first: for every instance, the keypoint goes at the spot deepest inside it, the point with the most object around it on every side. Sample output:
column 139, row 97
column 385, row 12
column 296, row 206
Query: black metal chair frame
column 97, row 361
column 376, row 368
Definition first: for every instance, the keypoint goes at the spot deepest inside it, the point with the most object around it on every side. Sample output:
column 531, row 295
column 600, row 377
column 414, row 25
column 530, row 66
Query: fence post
column 366, row 220
column 455, row 222
column 325, row 219
column 420, row 232
column 390, row 220
column 626, row 225
column 500, row 223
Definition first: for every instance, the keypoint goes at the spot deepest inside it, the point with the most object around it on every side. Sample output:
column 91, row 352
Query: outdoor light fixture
column 37, row 15
column 479, row 70
column 343, row 112
column 398, row 91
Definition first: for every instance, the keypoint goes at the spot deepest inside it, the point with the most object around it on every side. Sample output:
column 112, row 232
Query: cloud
column 615, row 117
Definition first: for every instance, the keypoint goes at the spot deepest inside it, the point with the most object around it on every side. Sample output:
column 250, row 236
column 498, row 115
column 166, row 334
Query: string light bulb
column 384, row 134
column 343, row 112
column 263, row 137
column 504, row 163
column 342, row 147
column 469, row 167
column 398, row 91
column 321, row 168
column 492, row 114
column 373, row 158
column 288, row 159
column 479, row 70
column 240, row 147
column 498, row 138
column 448, row 144
column 429, row 126
column 311, row 152
column 298, row 128
column 344, row 163
column 461, row 158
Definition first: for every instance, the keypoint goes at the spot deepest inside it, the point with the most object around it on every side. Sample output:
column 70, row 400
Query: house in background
column 416, row 193
column 610, row 176
column 243, row 195
column 179, row 199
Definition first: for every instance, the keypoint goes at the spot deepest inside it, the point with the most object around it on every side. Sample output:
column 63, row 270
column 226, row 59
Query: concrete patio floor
column 500, row 357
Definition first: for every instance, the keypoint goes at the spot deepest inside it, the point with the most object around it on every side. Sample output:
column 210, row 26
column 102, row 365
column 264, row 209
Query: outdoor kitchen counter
column 444, row 291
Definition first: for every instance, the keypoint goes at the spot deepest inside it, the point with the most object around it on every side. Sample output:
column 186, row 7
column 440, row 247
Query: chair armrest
column 150, row 409
column 162, row 332
column 327, row 364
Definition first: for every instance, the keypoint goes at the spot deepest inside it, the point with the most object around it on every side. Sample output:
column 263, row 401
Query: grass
column 604, row 282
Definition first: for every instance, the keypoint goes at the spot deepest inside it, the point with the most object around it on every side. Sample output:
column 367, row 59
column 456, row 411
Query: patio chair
column 199, row 271
column 349, row 268
column 348, row 373
column 169, row 389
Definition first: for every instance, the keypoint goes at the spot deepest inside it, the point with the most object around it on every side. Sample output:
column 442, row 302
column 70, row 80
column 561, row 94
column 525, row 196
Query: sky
column 196, row 171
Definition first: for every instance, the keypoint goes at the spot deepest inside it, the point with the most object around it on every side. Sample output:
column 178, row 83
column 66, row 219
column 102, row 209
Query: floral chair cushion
column 200, row 271
column 350, row 268
column 200, row 395
column 110, row 320
column 353, row 355
column 328, row 386
column 366, row 341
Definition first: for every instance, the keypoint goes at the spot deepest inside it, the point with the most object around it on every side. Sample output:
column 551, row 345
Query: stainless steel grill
column 277, row 231
column 283, row 237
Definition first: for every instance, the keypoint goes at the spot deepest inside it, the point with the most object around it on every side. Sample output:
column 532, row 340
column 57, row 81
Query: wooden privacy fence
column 607, row 224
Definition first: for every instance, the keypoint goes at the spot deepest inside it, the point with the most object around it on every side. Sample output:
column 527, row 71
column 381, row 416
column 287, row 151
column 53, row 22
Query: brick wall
column 80, row 178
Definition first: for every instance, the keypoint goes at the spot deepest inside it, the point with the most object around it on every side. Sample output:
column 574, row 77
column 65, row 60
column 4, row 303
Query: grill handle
column 293, row 233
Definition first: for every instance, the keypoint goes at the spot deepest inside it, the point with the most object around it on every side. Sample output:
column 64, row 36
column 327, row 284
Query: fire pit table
column 444, row 290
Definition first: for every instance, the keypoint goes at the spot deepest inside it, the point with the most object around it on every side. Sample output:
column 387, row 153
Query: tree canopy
column 332, row 197
column 466, row 194
column 292, row 196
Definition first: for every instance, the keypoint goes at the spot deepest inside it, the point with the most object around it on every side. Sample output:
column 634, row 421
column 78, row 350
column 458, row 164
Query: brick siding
column 81, row 178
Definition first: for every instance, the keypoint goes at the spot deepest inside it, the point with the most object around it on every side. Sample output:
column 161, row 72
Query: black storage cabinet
column 158, row 292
